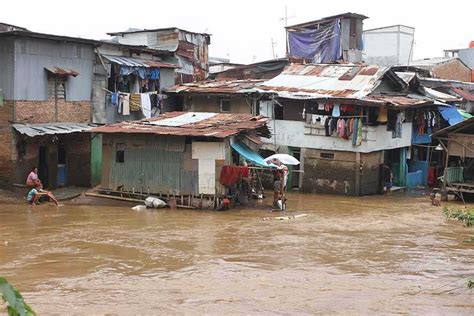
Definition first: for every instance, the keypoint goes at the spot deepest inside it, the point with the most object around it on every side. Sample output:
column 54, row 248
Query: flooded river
column 371, row 255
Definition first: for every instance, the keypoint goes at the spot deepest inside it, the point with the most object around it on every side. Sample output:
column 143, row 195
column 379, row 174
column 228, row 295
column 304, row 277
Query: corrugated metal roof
column 465, row 94
column 299, row 81
column 217, row 86
column 33, row 130
column 62, row 71
column 431, row 61
column 399, row 101
column 219, row 125
column 137, row 62
column 440, row 96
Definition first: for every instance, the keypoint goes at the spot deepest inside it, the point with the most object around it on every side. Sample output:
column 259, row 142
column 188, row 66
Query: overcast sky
column 243, row 30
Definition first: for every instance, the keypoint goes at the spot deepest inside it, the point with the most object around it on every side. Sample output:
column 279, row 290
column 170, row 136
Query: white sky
column 242, row 30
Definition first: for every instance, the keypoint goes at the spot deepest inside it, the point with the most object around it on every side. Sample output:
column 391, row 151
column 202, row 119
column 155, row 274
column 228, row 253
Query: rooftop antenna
column 286, row 17
column 273, row 43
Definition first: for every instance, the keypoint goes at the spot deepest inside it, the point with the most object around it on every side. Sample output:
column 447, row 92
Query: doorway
column 61, row 171
column 294, row 176
column 43, row 166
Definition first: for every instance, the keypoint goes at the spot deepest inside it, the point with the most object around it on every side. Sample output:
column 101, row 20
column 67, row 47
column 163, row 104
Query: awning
column 59, row 71
column 33, row 130
column 249, row 154
column 450, row 114
column 137, row 62
column 465, row 114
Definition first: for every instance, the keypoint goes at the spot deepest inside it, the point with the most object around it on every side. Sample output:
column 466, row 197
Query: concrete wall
column 347, row 173
column 452, row 70
column 33, row 55
column 388, row 46
column 301, row 134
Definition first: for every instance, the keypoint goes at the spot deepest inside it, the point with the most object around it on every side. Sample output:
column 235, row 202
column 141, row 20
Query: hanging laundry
column 354, row 133
column 135, row 102
column 146, row 104
column 114, row 98
column 328, row 107
column 382, row 117
column 321, row 106
column 336, row 112
column 323, row 120
column 391, row 120
column 314, row 118
column 230, row 175
column 124, row 101
column 359, row 134
column 327, row 127
column 351, row 126
column 341, row 125
column 333, row 125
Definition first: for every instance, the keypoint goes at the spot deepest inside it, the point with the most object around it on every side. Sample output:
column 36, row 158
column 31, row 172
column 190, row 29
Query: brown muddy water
column 371, row 255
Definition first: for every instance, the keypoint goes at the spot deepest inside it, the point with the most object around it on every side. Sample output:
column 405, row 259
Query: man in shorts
column 280, row 176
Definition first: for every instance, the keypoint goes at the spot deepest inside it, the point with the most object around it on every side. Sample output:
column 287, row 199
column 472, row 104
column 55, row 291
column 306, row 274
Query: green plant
column 470, row 284
column 463, row 215
column 16, row 305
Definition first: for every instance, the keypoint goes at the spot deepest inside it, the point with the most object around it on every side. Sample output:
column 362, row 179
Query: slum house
column 457, row 143
column 451, row 68
column 219, row 96
column 124, row 69
column 176, row 153
column 190, row 49
column 46, row 83
column 455, row 88
column 392, row 113
column 330, row 39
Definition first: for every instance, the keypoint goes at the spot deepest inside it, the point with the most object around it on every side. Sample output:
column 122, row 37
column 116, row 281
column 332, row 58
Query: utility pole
column 285, row 19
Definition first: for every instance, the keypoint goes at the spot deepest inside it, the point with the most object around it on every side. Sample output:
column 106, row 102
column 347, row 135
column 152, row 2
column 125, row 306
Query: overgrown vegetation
column 470, row 284
column 463, row 215
column 16, row 305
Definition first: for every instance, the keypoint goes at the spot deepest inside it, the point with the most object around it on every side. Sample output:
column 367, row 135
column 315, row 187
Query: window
column 120, row 153
column 224, row 105
column 327, row 155
column 56, row 86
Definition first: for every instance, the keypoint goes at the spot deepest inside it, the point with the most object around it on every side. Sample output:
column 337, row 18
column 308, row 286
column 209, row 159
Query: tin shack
column 176, row 153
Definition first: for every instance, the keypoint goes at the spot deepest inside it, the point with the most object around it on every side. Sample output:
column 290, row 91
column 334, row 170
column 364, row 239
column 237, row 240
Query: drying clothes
column 124, row 104
column 321, row 106
column 146, row 104
column 355, row 128
column 336, row 112
column 382, row 118
column 327, row 127
column 314, row 118
column 230, row 175
column 359, row 134
column 332, row 125
column 347, row 108
column 397, row 133
column 114, row 98
column 135, row 101
column 341, row 126
column 328, row 107
column 351, row 126
column 323, row 119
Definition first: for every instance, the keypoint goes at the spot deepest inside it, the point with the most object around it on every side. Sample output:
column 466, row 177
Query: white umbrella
column 284, row 158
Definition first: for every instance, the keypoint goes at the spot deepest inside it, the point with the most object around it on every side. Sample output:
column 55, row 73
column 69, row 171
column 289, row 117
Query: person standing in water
column 280, row 176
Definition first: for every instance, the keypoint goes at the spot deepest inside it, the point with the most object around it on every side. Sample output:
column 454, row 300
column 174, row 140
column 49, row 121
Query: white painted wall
column 207, row 153
column 303, row 135
column 388, row 46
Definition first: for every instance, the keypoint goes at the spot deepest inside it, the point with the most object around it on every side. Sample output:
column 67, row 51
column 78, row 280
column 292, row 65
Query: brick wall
column 44, row 111
column 6, row 166
column 453, row 70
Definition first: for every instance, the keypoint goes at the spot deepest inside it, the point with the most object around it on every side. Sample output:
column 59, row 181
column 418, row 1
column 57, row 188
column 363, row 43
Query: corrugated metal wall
column 154, row 163
column 6, row 67
column 32, row 55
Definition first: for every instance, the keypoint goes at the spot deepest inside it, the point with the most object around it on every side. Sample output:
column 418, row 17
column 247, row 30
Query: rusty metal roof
column 399, row 101
column 216, row 86
column 62, row 71
column 218, row 125
column 312, row 81
column 138, row 62
column 464, row 93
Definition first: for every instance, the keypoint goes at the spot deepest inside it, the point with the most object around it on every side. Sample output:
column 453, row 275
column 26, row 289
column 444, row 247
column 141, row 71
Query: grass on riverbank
column 463, row 215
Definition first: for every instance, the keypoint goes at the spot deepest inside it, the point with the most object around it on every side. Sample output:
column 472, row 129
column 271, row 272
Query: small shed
column 176, row 153
column 458, row 144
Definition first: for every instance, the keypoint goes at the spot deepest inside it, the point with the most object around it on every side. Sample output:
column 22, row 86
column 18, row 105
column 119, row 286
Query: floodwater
column 370, row 255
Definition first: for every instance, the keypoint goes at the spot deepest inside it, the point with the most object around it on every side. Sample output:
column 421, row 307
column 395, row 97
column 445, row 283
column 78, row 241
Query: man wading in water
column 280, row 175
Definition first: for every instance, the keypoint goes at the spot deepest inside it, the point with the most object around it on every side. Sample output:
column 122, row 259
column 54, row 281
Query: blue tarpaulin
column 450, row 114
column 249, row 154
column 320, row 45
